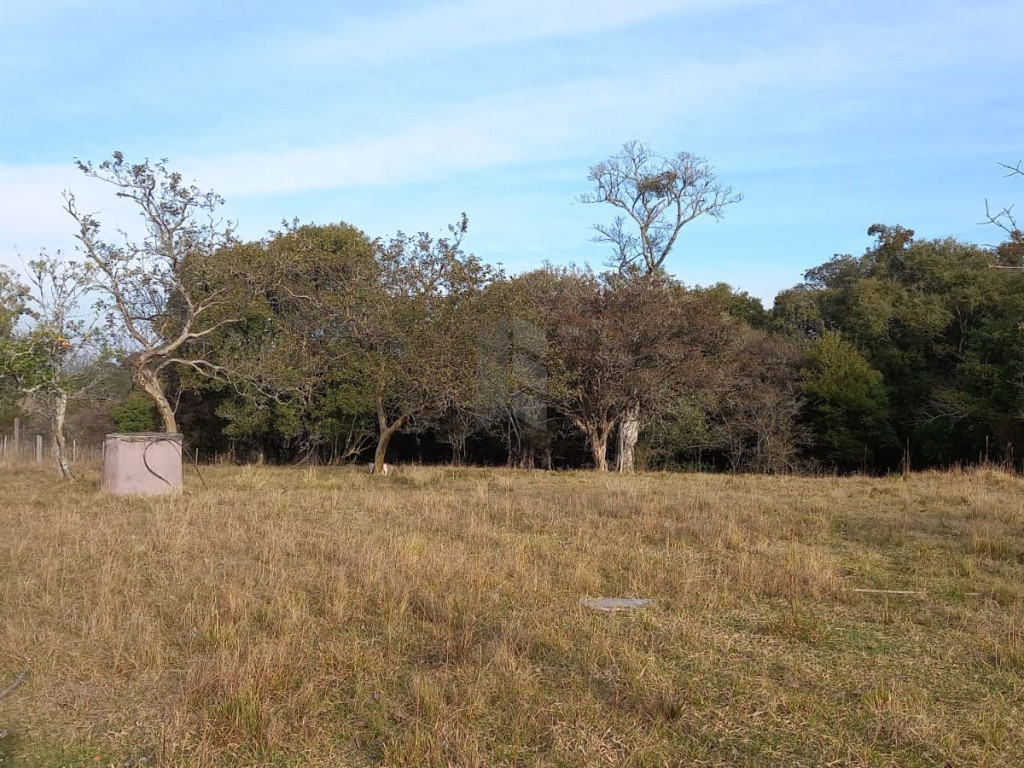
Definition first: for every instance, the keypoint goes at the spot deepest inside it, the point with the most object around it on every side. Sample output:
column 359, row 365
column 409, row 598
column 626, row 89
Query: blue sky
column 829, row 116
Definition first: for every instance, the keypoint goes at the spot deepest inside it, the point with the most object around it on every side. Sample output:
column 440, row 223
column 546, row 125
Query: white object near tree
column 371, row 468
column 142, row 464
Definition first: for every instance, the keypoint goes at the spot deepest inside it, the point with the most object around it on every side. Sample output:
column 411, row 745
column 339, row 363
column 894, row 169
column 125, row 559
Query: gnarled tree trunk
column 598, row 439
column 384, row 435
column 629, row 435
column 60, row 409
column 458, row 444
column 151, row 386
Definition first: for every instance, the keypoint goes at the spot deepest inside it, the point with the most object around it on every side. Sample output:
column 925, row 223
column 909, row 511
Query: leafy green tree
column 292, row 349
column 52, row 360
column 352, row 338
column 932, row 317
column 736, row 304
column 12, row 301
column 316, row 275
column 511, row 372
column 12, row 307
column 797, row 312
column 612, row 344
column 584, row 358
column 755, row 401
column 847, row 403
column 414, row 332
column 743, row 413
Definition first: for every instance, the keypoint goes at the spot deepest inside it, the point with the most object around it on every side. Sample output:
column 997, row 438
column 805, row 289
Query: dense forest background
column 319, row 343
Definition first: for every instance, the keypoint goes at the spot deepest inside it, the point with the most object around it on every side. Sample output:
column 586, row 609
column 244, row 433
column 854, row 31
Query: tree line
column 320, row 343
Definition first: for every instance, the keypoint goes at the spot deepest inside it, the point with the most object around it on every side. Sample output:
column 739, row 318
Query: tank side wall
column 141, row 467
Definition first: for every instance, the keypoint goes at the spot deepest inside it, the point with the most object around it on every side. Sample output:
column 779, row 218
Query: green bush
column 136, row 414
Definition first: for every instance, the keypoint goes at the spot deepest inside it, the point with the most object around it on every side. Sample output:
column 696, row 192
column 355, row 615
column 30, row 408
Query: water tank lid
column 144, row 437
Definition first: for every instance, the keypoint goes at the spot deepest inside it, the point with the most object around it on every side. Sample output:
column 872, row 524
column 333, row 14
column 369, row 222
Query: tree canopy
column 320, row 342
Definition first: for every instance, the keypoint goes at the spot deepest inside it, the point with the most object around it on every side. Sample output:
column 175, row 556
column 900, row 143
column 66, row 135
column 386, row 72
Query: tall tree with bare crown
column 658, row 195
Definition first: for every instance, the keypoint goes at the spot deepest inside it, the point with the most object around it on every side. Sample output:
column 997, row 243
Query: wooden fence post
column 39, row 449
column 17, row 438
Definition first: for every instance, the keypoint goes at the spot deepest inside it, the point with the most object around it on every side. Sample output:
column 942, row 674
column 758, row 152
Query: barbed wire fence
column 21, row 445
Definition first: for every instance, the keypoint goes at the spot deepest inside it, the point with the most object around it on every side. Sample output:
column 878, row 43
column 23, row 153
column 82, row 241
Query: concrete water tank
column 142, row 463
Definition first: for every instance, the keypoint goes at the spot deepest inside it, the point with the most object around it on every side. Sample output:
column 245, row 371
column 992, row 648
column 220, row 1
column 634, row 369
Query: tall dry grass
column 329, row 618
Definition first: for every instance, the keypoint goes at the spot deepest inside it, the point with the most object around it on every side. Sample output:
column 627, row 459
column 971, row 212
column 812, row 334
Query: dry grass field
column 324, row 617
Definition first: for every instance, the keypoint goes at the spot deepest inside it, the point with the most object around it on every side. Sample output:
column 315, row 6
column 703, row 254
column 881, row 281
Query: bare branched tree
column 158, row 291
column 658, row 196
column 1006, row 220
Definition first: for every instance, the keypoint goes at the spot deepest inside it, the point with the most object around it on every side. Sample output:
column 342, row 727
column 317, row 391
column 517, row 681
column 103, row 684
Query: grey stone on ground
column 615, row 603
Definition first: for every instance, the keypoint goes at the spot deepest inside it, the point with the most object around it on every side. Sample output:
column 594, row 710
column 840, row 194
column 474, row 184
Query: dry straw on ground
column 330, row 618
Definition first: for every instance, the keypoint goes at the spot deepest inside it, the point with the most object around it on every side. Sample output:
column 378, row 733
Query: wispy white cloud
column 444, row 28
column 32, row 214
column 520, row 126
column 30, row 208
column 474, row 135
column 525, row 126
